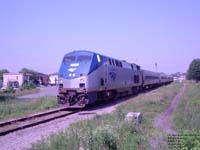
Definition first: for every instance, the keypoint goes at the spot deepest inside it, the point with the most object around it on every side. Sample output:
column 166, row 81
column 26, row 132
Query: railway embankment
column 112, row 131
column 104, row 126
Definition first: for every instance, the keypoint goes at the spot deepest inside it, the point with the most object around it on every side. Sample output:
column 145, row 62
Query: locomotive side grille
column 60, row 85
column 82, row 85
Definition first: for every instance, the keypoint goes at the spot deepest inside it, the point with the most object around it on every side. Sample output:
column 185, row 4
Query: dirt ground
column 44, row 91
column 163, row 122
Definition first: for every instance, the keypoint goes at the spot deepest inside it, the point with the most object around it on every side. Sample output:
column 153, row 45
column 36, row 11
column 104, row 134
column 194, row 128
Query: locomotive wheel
column 62, row 101
column 72, row 101
column 81, row 100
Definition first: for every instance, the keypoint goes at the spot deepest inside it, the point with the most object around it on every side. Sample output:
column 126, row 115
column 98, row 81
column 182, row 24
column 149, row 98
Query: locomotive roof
column 76, row 52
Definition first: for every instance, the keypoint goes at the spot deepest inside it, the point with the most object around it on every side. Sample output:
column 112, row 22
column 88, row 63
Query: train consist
column 86, row 77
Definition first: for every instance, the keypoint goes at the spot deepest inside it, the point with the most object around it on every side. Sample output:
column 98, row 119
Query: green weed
column 186, row 118
column 14, row 108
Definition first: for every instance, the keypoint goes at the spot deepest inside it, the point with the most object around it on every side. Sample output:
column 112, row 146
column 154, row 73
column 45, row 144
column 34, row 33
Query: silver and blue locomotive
column 86, row 77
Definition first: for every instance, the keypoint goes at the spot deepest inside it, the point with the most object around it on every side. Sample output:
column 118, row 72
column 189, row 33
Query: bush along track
column 111, row 131
column 10, row 108
column 186, row 118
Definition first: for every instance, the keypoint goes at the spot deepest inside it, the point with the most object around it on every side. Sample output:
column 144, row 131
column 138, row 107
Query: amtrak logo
column 72, row 69
column 113, row 75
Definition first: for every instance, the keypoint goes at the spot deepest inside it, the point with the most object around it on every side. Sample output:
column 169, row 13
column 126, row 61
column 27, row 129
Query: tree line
column 193, row 72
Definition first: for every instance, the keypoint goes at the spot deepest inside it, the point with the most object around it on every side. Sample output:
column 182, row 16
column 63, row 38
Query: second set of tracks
column 13, row 125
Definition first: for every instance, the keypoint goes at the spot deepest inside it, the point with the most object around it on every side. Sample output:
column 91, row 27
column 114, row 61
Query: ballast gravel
column 23, row 139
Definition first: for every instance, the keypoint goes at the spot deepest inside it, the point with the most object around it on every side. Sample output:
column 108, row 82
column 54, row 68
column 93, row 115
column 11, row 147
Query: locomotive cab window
column 84, row 58
column 69, row 59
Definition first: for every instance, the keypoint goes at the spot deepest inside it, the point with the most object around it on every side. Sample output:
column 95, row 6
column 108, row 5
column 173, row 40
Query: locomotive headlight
column 73, row 74
column 70, row 74
column 60, row 81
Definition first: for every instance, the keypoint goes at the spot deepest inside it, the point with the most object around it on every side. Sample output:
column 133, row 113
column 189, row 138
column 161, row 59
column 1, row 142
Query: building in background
column 42, row 79
column 53, row 79
column 180, row 77
column 15, row 80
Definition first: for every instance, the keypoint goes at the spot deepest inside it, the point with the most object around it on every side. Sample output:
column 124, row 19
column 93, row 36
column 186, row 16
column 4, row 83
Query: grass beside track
column 186, row 118
column 6, row 96
column 11, row 107
column 27, row 92
column 111, row 131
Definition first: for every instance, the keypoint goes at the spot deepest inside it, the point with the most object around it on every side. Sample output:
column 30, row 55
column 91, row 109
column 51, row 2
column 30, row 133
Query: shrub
column 190, row 141
column 9, row 90
column 14, row 108
column 2, row 72
column 105, row 139
column 27, row 86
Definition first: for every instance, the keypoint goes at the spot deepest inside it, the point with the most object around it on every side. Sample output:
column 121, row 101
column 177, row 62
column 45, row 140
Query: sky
column 36, row 34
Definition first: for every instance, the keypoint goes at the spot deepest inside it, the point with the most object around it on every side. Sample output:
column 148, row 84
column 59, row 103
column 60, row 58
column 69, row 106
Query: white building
column 53, row 79
column 182, row 78
column 14, row 79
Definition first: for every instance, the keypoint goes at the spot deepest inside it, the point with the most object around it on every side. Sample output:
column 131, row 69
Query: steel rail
column 33, row 120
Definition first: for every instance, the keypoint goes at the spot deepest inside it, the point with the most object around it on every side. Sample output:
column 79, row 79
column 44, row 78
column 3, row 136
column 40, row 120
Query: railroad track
column 33, row 120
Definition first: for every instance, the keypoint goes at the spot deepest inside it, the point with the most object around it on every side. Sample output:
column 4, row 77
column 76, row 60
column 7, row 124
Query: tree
column 25, row 70
column 33, row 73
column 2, row 72
column 194, row 70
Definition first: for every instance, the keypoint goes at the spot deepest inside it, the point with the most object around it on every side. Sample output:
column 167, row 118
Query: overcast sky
column 37, row 33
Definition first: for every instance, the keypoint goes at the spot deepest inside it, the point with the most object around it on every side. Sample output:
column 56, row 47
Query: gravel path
column 44, row 91
column 23, row 139
column 163, row 122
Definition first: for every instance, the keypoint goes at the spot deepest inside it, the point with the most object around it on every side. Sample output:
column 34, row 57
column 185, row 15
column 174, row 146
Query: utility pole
column 156, row 66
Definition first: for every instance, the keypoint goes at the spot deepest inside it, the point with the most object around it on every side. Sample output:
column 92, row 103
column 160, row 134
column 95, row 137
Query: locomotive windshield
column 84, row 58
column 81, row 58
column 69, row 59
